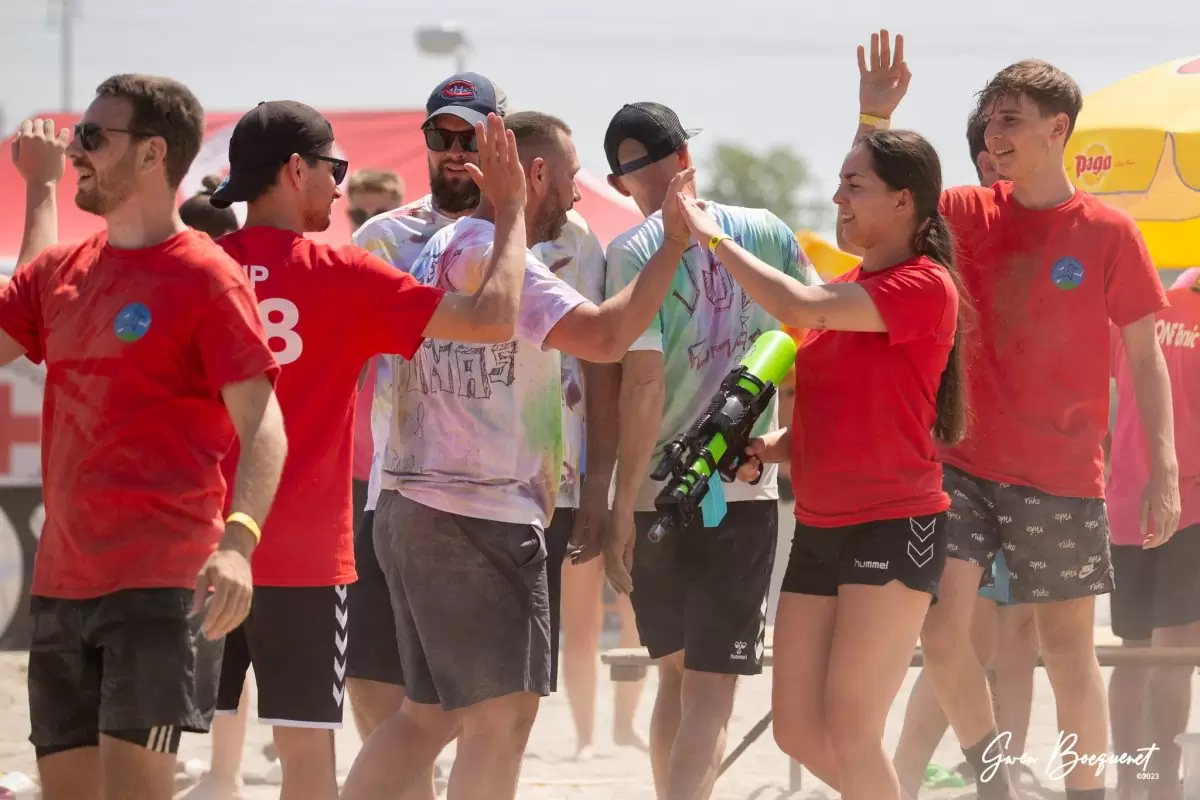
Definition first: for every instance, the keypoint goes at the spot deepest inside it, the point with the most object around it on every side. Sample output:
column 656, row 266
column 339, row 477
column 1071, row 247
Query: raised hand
column 699, row 222
column 674, row 225
column 500, row 176
column 38, row 154
column 883, row 81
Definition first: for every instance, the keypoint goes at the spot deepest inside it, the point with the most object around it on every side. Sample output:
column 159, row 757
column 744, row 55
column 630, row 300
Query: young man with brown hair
column 1048, row 268
column 156, row 357
column 1003, row 633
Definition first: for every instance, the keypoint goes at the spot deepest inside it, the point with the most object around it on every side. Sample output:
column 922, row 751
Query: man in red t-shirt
column 1156, row 599
column 1048, row 268
column 155, row 358
column 326, row 312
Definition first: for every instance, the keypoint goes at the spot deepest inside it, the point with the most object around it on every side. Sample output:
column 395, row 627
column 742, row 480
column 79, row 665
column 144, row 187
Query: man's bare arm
column 41, row 221
column 601, row 334
column 39, row 154
column 642, row 394
column 489, row 315
column 601, row 394
column 258, row 420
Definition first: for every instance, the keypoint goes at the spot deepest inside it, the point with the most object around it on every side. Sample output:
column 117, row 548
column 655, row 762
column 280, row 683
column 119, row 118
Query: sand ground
column 549, row 771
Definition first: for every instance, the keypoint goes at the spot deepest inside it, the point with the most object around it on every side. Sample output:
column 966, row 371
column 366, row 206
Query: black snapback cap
column 265, row 138
column 653, row 125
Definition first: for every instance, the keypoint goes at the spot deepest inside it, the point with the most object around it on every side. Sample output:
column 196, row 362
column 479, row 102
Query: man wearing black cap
column 326, row 311
column 700, row 596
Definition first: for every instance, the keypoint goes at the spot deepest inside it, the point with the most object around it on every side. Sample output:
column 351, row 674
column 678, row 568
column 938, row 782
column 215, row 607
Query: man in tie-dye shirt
column 471, row 473
column 700, row 596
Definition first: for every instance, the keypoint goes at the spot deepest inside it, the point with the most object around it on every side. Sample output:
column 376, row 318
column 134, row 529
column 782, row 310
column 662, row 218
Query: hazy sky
column 757, row 71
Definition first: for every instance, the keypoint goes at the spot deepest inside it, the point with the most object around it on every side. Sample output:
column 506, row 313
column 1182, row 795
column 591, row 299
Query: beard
column 109, row 190
column 451, row 194
column 548, row 221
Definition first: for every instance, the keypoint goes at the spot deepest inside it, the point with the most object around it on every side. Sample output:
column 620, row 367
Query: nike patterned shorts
column 1056, row 548
column 911, row 550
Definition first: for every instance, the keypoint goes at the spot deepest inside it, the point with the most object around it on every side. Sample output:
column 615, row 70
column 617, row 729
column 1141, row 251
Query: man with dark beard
column 374, row 679
column 155, row 358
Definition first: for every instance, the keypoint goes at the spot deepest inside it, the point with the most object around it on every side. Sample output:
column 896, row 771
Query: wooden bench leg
column 795, row 776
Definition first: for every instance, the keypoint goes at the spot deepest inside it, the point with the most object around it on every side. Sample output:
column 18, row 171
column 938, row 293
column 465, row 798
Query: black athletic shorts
column 1055, row 548
column 296, row 638
column 911, row 550
column 1156, row 588
column 129, row 661
column 373, row 654
column 704, row 590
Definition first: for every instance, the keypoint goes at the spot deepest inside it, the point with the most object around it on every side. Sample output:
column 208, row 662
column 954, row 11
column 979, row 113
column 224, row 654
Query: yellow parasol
column 1136, row 145
column 825, row 256
column 828, row 260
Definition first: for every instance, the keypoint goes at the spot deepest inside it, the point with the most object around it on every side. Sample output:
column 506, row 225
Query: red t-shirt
column 1178, row 329
column 326, row 311
column 862, row 440
column 1045, row 285
column 138, row 345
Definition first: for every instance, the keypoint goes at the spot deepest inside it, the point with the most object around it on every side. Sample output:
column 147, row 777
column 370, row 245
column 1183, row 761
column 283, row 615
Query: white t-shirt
column 577, row 258
column 707, row 324
column 398, row 237
column 476, row 429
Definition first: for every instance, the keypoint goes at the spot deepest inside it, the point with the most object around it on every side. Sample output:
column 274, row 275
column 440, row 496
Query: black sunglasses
column 340, row 167
column 92, row 136
column 440, row 141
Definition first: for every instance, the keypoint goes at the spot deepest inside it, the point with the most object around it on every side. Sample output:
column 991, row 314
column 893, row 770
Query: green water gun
column 716, row 443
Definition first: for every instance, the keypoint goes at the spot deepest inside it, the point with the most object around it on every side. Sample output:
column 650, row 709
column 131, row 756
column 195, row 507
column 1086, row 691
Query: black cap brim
column 468, row 115
column 229, row 192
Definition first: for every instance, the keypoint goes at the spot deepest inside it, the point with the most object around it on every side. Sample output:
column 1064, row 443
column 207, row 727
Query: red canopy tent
column 388, row 140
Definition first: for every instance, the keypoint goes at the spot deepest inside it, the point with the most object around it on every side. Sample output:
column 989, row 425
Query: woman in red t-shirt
column 878, row 380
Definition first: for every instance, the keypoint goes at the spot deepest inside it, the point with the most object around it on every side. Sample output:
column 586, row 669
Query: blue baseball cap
column 468, row 96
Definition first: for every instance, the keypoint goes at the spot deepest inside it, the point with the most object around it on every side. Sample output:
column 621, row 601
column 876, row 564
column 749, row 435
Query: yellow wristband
column 716, row 240
column 247, row 522
column 880, row 123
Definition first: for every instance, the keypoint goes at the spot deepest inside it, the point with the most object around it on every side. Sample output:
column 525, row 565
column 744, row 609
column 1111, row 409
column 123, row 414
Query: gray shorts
column 1056, row 548
column 471, row 603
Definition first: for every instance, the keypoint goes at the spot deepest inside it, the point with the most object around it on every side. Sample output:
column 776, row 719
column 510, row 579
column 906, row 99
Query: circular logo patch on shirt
column 132, row 322
column 1067, row 273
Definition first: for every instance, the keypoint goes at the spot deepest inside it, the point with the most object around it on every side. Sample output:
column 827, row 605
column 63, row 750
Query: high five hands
column 499, row 176
column 883, row 78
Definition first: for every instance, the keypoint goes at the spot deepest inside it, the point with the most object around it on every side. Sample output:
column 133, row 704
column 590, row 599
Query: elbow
column 610, row 346
column 609, row 350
